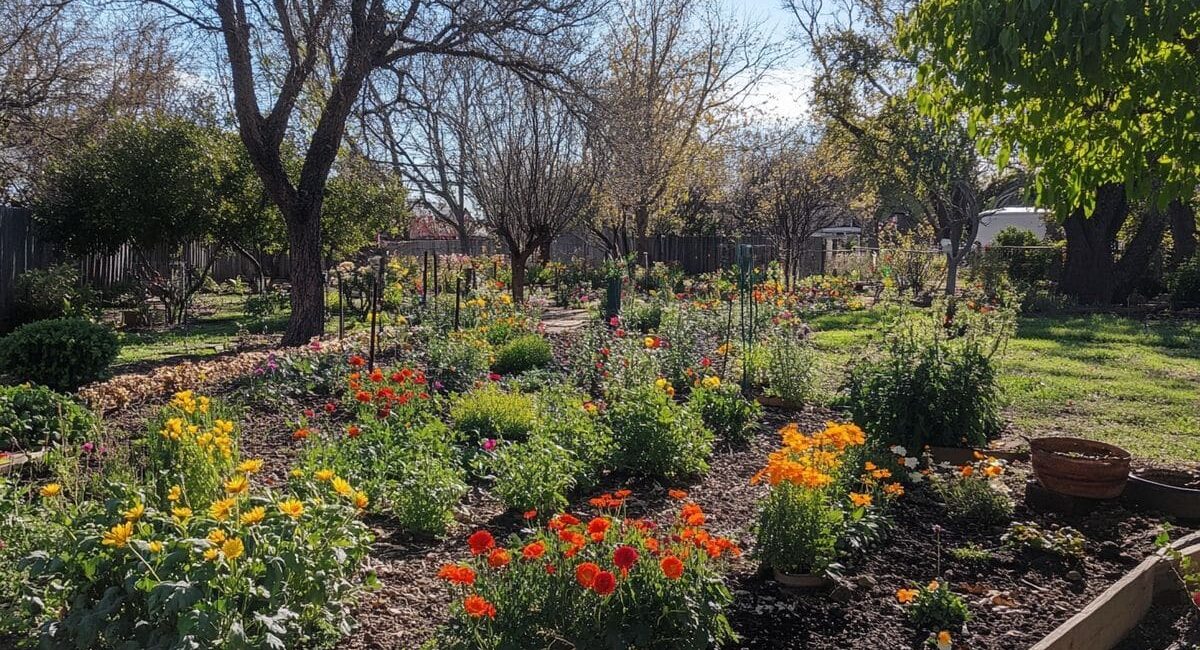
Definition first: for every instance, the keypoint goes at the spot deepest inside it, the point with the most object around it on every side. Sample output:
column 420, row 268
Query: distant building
column 1024, row 218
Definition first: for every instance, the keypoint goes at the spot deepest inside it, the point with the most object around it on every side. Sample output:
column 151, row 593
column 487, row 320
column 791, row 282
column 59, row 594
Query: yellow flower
column 342, row 487
column 250, row 466
column 323, row 474
column 135, row 513
column 648, row 341
column 175, row 493
column 212, row 554
column 360, row 500
column 181, row 514
column 710, row 382
column 291, row 508
column 222, row 428
column 296, row 473
column 155, row 547
column 51, row 490
column 237, row 484
column 860, row 500
column 220, row 510
column 254, row 516
column 204, row 401
column 216, row 536
column 233, row 548
column 118, row 536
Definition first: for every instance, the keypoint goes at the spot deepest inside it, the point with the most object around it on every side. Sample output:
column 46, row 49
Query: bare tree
column 298, row 69
column 677, row 69
column 532, row 171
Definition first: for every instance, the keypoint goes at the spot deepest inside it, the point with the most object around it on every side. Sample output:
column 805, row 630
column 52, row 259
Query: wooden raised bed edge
column 1115, row 613
column 15, row 459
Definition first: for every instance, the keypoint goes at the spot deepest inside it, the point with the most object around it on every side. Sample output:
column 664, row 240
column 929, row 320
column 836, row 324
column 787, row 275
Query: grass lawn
column 1132, row 383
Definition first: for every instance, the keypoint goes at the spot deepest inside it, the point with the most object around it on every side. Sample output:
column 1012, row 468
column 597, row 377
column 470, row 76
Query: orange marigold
column 585, row 574
column 477, row 606
column 672, row 567
column 533, row 550
column 498, row 558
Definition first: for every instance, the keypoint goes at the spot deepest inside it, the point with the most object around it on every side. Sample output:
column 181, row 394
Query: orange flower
column 478, row 607
column 906, row 596
column 967, row 470
column 678, row 495
column 357, row 361
column 604, row 584
column 481, row 542
column 860, row 500
column 533, row 550
column 993, row 470
column 692, row 515
column 672, row 567
column 585, row 574
column 934, row 585
column 622, row 494
column 597, row 528
column 529, row 514
column 498, row 558
column 457, row 574
column 894, row 489
column 353, row 431
column 300, row 434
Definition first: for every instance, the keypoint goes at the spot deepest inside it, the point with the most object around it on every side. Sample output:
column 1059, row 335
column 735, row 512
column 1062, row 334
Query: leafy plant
column 972, row 553
column 63, row 353
column 654, row 436
column 790, row 368
column 976, row 494
column 53, row 292
column 1062, row 541
column 523, row 353
column 934, row 606
column 533, row 475
column 574, row 423
column 493, row 413
column 1184, row 284
column 457, row 362
column 609, row 582
column 190, row 447
column 724, row 410
column 35, row 416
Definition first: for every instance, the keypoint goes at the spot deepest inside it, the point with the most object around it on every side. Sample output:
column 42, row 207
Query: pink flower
column 490, row 444
column 614, row 321
column 493, row 376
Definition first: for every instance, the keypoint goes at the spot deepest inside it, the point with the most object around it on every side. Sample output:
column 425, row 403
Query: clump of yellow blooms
column 809, row 460
column 218, row 439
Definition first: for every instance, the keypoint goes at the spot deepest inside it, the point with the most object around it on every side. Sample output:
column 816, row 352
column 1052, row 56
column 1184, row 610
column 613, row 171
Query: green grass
column 1132, row 383
column 210, row 333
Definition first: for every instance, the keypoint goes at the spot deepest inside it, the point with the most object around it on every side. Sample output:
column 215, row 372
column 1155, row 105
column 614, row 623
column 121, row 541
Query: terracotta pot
column 801, row 580
column 1166, row 491
column 1080, row 468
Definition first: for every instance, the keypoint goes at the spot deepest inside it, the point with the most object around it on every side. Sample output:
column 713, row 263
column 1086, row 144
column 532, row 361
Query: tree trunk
column 308, row 286
column 260, row 275
column 464, row 239
column 518, row 277
column 1138, row 252
column 1183, row 230
column 1089, row 273
column 641, row 226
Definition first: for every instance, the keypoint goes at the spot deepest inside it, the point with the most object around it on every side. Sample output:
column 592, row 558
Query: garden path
column 558, row 319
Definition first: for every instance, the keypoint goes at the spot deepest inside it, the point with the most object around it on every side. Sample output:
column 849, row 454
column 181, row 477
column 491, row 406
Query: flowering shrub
column 400, row 395
column 523, row 353
column 573, row 422
column 654, row 435
column 456, row 362
column 493, row 413
column 815, row 497
column 934, row 606
column 609, row 582
column 250, row 569
column 724, row 410
column 191, row 447
column 35, row 416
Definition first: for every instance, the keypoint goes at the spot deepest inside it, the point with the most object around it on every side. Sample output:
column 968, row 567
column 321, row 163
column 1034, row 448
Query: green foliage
column 362, row 200
column 936, row 608
column 523, row 353
column 26, row 529
column 973, row 499
column 642, row 316
column 726, row 412
column 1064, row 541
column 533, row 475
column 412, row 474
column 1090, row 93
column 211, row 579
column 790, row 368
column 266, row 304
column 656, row 437
column 572, row 421
column 35, row 416
column 933, row 382
column 1184, row 284
column 798, row 529
column 972, row 554
column 457, row 362
column 63, row 353
column 54, row 292
column 493, row 413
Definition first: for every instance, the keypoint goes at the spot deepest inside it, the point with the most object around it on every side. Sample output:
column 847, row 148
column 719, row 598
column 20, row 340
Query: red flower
column 672, row 567
column 357, row 361
column 362, row 396
column 480, row 542
column 376, row 375
column 585, row 574
column 353, row 431
column 529, row 514
column 550, row 569
column 477, row 606
column 457, row 574
column 625, row 557
column 605, row 583
column 300, row 434
column 330, row 407
column 308, row 413
column 493, row 376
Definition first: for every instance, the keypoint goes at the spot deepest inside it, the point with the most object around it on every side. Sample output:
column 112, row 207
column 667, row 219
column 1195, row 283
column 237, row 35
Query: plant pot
column 1165, row 490
column 1080, row 468
column 801, row 580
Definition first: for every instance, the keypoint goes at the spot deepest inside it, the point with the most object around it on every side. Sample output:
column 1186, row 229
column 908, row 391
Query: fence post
column 375, row 295
column 457, row 300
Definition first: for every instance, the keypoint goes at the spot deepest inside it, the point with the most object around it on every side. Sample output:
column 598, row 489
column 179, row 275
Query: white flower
column 916, row 477
column 910, row 462
column 898, row 450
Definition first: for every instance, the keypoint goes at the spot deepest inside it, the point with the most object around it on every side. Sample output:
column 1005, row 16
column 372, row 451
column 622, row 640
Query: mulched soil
column 1015, row 598
column 1172, row 624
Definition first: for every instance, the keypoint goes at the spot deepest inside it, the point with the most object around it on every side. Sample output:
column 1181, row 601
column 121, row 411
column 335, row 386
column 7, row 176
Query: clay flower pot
column 801, row 580
column 1080, row 468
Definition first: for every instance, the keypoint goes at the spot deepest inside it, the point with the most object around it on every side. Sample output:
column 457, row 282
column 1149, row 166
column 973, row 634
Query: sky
column 783, row 93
